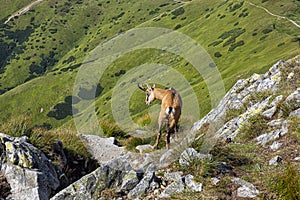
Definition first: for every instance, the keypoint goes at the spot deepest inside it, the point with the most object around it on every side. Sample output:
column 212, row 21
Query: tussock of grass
column 72, row 144
column 132, row 142
column 287, row 183
column 111, row 129
column 255, row 126
column 17, row 127
column 42, row 138
column 233, row 113
column 256, row 97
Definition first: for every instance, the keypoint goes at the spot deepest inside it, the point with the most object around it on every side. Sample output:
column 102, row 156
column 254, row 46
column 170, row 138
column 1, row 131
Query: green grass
column 71, row 42
column 254, row 126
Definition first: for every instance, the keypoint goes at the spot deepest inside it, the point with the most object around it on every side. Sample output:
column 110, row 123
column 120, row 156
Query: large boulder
column 30, row 174
column 91, row 186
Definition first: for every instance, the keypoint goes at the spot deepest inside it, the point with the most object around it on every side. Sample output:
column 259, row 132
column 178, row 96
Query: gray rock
column 130, row 180
column 247, row 190
column 173, row 188
column 270, row 112
column 290, row 76
column 295, row 113
column 276, row 100
column 191, row 184
column 266, row 84
column 275, row 161
column 294, row 96
column 232, row 128
column 91, row 185
column 188, row 156
column 271, row 79
column 273, row 135
column 297, row 158
column 144, row 148
column 141, row 187
column 276, row 123
column 215, row 180
column 102, row 149
column 30, row 174
column 173, row 176
column 275, row 145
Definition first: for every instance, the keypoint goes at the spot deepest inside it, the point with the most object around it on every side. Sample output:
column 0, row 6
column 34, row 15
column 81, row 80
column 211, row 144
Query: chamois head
column 149, row 92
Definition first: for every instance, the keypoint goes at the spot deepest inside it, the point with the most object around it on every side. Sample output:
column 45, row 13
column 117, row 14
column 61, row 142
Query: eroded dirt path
column 23, row 10
column 270, row 13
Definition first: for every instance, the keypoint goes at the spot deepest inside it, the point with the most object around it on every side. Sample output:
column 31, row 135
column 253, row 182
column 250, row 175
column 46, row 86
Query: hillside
column 72, row 66
column 43, row 49
column 247, row 147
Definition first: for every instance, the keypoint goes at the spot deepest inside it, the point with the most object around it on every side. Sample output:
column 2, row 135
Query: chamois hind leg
column 157, row 140
column 168, row 135
column 160, row 125
column 174, row 128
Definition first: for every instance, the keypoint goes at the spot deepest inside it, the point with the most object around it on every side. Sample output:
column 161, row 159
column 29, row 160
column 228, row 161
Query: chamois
column 170, row 112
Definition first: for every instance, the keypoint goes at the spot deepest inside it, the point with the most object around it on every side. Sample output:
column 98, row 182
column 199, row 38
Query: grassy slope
column 202, row 20
column 9, row 7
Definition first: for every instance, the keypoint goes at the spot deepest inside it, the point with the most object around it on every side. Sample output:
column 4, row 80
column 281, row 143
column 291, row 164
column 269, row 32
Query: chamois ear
column 153, row 86
column 148, row 86
column 140, row 85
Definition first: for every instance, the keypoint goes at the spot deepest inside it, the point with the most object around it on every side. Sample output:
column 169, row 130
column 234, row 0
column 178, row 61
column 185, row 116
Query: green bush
column 235, row 6
column 177, row 12
column 266, row 31
column 215, row 43
column 235, row 45
column 218, row 54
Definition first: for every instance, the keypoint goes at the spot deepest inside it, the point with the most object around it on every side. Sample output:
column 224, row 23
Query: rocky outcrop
column 127, row 175
column 136, row 175
column 28, row 171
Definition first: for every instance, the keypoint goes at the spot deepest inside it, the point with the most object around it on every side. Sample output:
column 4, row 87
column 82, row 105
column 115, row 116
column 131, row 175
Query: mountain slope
column 45, row 47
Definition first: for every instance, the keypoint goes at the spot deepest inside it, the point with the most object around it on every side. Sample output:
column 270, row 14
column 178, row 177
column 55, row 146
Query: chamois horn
column 141, row 86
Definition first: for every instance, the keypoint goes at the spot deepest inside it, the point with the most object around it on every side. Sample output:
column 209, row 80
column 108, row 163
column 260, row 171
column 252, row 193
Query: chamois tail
column 170, row 111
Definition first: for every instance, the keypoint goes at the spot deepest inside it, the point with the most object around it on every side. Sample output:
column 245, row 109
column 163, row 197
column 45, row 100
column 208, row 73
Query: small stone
column 144, row 148
column 173, row 176
column 173, row 188
column 191, row 184
column 276, row 100
column 294, row 96
column 295, row 113
column 273, row 135
column 215, row 180
column 187, row 156
column 270, row 112
column 275, row 146
column 247, row 190
column 297, row 158
column 130, row 180
column 275, row 161
column 141, row 187
column 154, row 185
column 156, row 192
column 290, row 76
